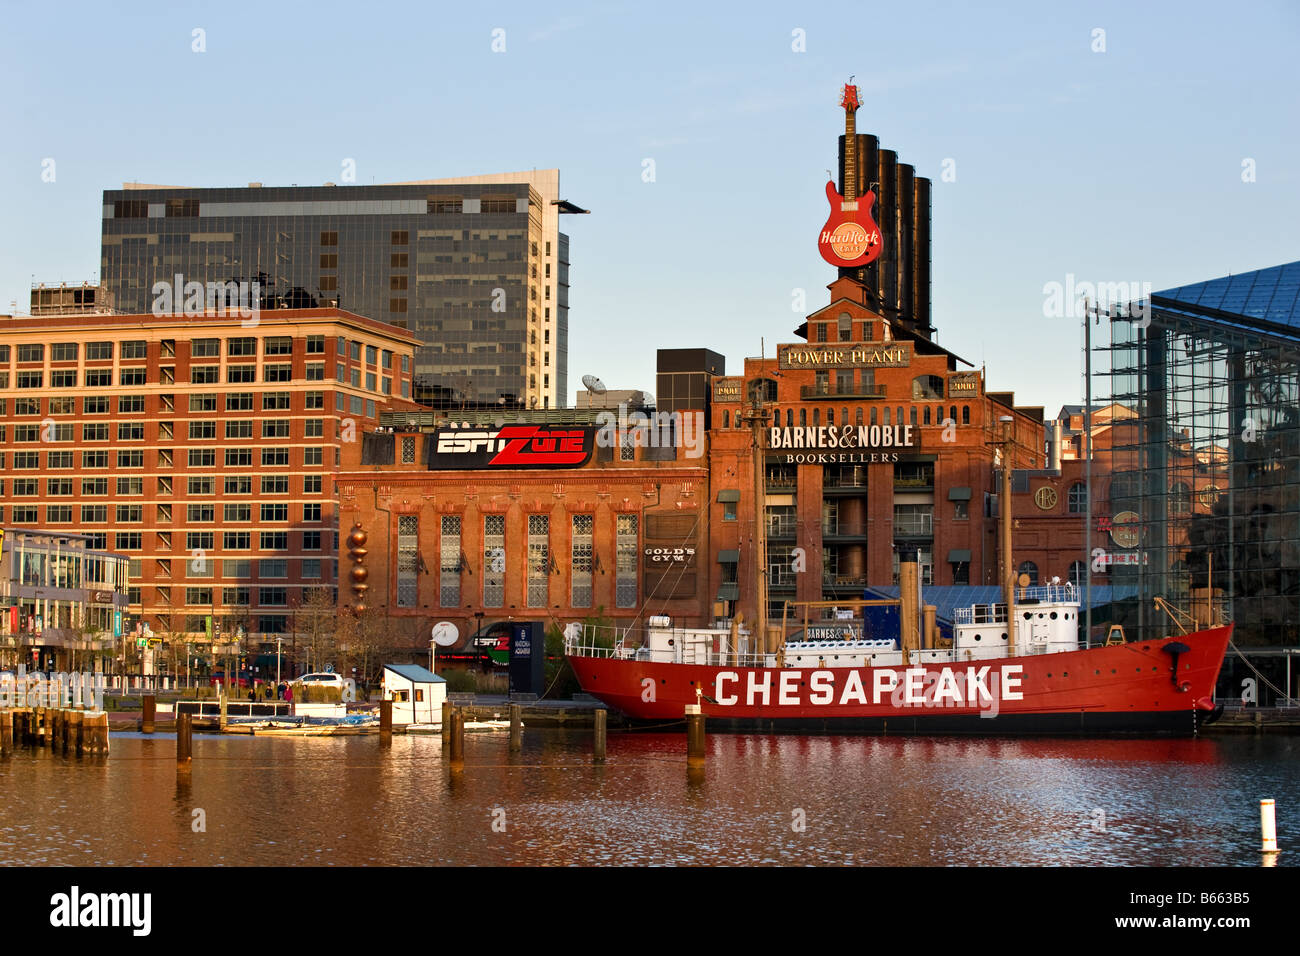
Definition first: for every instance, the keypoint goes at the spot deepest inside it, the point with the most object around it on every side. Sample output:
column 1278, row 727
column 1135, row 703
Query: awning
column 959, row 556
column 959, row 494
column 728, row 557
column 728, row 494
column 729, row 592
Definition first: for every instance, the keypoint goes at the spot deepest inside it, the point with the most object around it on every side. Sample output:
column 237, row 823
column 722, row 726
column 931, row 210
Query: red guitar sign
column 850, row 237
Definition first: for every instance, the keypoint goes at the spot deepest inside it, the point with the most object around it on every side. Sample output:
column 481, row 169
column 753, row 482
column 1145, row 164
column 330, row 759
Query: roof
column 1265, row 300
column 415, row 673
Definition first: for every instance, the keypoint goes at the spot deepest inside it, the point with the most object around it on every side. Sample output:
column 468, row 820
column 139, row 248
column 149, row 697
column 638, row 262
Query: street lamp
column 279, row 641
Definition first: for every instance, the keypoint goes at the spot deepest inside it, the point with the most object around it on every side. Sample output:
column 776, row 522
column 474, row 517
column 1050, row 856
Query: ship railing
column 980, row 614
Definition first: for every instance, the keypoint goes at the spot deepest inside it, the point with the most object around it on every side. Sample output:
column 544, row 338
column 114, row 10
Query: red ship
column 1161, row 686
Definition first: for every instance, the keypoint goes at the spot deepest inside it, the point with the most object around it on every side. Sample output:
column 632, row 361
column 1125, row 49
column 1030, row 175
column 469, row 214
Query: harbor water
column 788, row 800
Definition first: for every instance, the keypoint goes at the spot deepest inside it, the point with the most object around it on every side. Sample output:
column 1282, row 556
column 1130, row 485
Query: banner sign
column 728, row 389
column 963, row 384
column 891, row 355
column 511, row 446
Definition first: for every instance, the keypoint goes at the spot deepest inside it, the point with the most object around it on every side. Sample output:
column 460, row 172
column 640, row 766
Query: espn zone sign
column 512, row 446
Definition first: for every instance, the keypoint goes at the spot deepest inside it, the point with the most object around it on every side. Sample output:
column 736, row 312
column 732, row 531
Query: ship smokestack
column 909, row 607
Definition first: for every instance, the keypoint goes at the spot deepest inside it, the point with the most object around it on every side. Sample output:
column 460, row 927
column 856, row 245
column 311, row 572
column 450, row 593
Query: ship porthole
column 1053, row 615
column 977, row 637
column 1004, row 637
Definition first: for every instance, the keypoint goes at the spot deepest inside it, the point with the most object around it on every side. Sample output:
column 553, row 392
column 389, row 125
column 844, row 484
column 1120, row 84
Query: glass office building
column 1206, row 478
column 476, row 268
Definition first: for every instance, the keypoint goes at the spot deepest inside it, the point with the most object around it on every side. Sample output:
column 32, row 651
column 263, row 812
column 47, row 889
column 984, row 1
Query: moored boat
column 1049, row 684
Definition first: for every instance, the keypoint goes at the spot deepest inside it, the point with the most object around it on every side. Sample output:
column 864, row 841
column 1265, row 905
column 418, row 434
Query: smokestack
column 931, row 627
column 909, row 610
column 1055, row 464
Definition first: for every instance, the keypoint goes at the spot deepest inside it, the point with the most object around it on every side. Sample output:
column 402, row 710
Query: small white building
column 416, row 692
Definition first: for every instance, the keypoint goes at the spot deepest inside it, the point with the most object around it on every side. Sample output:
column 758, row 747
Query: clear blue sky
column 1123, row 165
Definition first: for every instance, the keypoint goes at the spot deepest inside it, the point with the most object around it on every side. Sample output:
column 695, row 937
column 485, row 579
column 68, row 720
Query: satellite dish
column 572, row 631
column 594, row 385
column 445, row 634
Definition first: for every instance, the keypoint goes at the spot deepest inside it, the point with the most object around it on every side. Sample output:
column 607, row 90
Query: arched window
column 789, row 418
column 776, row 419
column 927, row 414
column 927, row 388
column 1075, row 576
column 803, row 418
column 1078, row 498
column 845, row 418
column 817, row 416
column 965, row 414
column 900, row 419
column 873, row 414
column 1030, row 569
column 1124, row 485
column 884, row 415
column 1180, row 499
column 859, row 416
column 830, row 416
column 764, row 387
column 912, row 416
column 846, row 327
column 952, row 413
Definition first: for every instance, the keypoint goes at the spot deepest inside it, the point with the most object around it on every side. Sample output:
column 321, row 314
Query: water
column 870, row 800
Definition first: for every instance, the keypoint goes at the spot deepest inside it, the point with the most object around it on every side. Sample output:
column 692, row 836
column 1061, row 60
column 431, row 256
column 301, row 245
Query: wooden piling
column 221, row 720
column 96, row 726
column 446, row 721
column 184, row 741
column 516, row 728
column 6, row 733
column 598, row 738
column 148, row 710
column 457, row 740
column 47, row 728
column 76, row 732
column 386, row 718
column 695, row 740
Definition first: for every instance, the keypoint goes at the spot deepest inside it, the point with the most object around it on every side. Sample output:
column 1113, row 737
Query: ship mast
column 1004, row 521
column 756, row 418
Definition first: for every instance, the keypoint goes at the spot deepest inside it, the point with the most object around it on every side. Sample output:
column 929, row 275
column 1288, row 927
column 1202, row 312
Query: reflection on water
column 760, row 800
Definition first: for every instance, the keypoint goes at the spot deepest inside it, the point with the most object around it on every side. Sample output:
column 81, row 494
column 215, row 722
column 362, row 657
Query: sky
column 1068, row 143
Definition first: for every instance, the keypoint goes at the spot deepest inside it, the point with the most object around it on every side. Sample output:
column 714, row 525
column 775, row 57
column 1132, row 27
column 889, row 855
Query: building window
column 311, row 512
column 408, row 563
column 408, row 450
column 1078, row 498
column 277, row 373
column 275, row 428
column 580, row 564
column 1180, row 499
column 961, row 572
column 236, row 540
column 494, row 560
column 626, row 550
column 241, row 346
column 274, row 512
column 539, row 530
column 959, row 511
column 449, row 562
column 1076, row 574
column 1031, row 569
column 277, row 345
column 274, row 540
column 64, row 379
column 204, row 348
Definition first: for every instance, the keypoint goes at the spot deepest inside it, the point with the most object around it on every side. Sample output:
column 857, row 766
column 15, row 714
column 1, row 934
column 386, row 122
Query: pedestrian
column 288, row 693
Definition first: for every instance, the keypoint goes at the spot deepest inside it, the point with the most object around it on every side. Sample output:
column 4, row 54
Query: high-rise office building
column 476, row 267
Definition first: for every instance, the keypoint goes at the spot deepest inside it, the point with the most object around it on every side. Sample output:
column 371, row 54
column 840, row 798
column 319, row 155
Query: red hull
column 1123, row 688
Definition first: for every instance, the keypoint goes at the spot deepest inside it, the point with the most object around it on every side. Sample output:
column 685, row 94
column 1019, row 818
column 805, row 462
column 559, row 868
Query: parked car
column 219, row 677
column 321, row 680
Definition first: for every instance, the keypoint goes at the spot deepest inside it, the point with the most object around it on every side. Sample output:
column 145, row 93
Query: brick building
column 201, row 446
column 614, row 528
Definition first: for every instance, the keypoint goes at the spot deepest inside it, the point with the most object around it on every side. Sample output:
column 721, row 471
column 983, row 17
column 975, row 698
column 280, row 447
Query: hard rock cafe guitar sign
column 850, row 237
